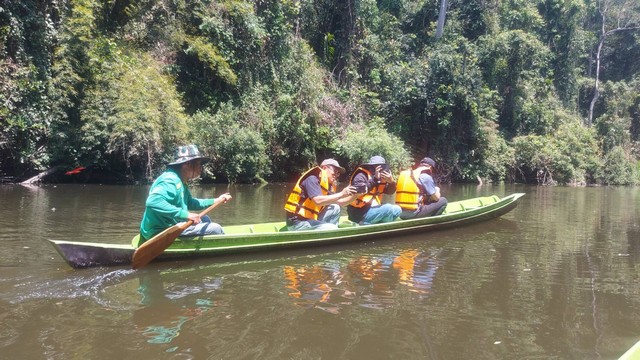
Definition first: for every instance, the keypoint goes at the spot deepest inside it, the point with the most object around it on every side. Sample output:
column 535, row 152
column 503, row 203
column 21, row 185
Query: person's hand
column 349, row 190
column 383, row 174
column 225, row 197
column 378, row 172
column 387, row 176
column 194, row 217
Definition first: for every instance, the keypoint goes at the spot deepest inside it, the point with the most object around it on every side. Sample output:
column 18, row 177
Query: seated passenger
column 313, row 202
column 417, row 193
column 371, row 180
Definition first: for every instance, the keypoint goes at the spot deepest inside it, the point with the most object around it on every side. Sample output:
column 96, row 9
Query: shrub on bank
column 569, row 156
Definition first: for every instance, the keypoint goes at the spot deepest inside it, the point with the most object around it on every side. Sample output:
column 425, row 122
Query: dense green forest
column 537, row 91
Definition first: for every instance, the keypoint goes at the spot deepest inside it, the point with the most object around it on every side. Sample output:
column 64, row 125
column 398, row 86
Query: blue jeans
column 381, row 214
column 327, row 220
column 205, row 227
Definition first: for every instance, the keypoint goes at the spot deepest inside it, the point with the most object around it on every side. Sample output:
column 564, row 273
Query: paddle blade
column 157, row 244
column 153, row 247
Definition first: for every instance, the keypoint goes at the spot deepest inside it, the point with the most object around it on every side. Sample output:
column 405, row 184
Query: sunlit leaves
column 237, row 149
column 360, row 143
column 572, row 156
column 134, row 114
column 516, row 65
column 211, row 57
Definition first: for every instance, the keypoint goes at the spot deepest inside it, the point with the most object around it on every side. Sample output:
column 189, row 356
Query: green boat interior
column 280, row 226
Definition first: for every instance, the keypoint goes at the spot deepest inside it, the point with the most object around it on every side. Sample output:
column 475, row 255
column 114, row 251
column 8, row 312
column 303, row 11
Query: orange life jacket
column 373, row 194
column 410, row 195
column 305, row 207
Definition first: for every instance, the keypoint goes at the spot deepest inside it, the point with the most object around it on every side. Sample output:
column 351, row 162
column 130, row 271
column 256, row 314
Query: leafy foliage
column 135, row 116
column 271, row 87
column 360, row 143
column 238, row 152
column 619, row 168
column 26, row 32
column 572, row 156
column 516, row 65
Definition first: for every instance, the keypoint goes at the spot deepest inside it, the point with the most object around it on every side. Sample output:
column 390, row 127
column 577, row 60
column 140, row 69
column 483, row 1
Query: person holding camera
column 371, row 180
column 417, row 193
column 314, row 203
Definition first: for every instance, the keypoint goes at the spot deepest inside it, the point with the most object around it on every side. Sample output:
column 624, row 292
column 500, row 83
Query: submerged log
column 41, row 176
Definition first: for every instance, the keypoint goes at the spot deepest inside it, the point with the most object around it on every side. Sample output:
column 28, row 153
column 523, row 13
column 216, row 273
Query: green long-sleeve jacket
column 168, row 203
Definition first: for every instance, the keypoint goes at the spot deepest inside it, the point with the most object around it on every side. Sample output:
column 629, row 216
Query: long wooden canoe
column 244, row 238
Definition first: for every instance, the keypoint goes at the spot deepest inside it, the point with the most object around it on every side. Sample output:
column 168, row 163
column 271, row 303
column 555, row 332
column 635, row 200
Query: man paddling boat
column 170, row 201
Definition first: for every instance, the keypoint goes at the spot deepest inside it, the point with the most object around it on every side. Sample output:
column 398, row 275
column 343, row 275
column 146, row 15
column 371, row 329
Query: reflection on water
column 556, row 278
column 365, row 281
column 162, row 317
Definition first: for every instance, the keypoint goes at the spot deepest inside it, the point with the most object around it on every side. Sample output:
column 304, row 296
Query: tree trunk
column 623, row 21
column 596, row 90
column 40, row 176
column 441, row 18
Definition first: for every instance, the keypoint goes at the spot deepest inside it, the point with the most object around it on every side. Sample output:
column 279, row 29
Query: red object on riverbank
column 77, row 170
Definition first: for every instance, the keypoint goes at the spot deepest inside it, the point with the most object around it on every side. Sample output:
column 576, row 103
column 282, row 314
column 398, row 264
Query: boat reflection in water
column 369, row 281
column 166, row 310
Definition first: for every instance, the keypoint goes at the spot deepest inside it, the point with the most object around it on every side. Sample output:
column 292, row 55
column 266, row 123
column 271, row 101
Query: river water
column 556, row 278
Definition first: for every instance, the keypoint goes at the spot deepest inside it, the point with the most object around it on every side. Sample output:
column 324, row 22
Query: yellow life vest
column 372, row 194
column 305, row 207
column 409, row 195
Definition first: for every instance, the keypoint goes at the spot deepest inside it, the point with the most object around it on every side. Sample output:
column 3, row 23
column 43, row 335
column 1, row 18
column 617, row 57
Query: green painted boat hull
column 245, row 238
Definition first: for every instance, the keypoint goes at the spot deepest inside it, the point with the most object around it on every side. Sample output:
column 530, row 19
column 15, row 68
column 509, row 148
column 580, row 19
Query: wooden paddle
column 153, row 247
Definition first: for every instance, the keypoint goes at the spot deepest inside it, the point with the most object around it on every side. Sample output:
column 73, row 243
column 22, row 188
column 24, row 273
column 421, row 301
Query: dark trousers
column 434, row 208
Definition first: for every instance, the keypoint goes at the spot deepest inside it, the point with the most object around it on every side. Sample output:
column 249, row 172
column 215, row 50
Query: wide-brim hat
column 188, row 153
column 333, row 163
column 428, row 161
column 376, row 160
